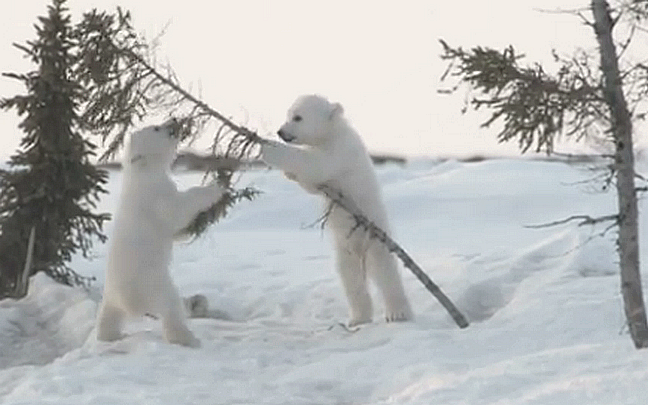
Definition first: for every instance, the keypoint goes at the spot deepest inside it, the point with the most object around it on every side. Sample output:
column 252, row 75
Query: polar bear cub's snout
column 286, row 137
column 173, row 127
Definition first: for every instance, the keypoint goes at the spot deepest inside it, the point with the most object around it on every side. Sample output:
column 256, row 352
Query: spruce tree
column 51, row 184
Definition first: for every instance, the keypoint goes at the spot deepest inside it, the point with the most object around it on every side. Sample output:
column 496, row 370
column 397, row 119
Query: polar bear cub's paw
column 399, row 316
column 358, row 320
column 109, row 323
column 182, row 336
column 398, row 313
column 361, row 309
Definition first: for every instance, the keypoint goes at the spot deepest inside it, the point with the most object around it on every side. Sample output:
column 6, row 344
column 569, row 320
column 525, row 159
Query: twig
column 561, row 10
column 585, row 220
column 169, row 94
column 375, row 232
column 582, row 156
column 323, row 219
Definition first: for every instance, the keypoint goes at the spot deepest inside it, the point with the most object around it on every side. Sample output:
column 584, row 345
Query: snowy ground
column 547, row 319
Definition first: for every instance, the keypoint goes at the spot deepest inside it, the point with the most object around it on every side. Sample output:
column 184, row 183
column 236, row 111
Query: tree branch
column 534, row 106
column 584, row 220
column 252, row 136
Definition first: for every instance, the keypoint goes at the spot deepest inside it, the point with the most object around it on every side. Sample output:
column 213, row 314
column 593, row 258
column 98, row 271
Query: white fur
column 151, row 212
column 331, row 152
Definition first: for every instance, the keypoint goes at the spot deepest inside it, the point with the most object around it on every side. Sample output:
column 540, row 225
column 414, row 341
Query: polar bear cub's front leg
column 189, row 203
column 309, row 168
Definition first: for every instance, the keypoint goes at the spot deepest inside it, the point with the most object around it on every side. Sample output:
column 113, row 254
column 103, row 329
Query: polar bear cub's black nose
column 285, row 136
column 174, row 127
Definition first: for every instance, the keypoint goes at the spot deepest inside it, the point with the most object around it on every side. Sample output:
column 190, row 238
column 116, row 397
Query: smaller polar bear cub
column 151, row 212
column 331, row 152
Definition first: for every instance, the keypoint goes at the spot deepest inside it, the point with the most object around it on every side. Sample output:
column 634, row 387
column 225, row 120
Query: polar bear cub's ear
column 336, row 111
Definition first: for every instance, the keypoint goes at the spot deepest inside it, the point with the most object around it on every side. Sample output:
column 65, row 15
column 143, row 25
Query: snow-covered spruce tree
column 51, row 185
column 536, row 107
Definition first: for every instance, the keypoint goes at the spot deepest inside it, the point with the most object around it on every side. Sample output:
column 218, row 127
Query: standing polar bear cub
column 331, row 152
column 150, row 213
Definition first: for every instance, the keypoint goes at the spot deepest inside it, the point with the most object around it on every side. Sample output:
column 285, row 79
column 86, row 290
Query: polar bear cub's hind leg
column 174, row 322
column 110, row 322
column 354, row 280
column 383, row 269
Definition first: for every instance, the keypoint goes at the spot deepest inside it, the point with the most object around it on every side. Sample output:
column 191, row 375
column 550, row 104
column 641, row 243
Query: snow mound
column 49, row 322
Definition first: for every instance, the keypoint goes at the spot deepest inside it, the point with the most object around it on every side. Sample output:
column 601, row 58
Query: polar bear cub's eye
column 156, row 129
column 297, row 118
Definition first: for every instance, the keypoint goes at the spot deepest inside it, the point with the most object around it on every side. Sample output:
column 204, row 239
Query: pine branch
column 252, row 136
column 219, row 210
column 534, row 106
column 376, row 233
column 243, row 139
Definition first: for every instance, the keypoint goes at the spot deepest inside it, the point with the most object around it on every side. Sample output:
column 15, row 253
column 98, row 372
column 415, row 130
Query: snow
column 547, row 317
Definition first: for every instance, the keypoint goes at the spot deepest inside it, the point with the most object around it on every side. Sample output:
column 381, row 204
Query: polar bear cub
column 150, row 213
column 331, row 152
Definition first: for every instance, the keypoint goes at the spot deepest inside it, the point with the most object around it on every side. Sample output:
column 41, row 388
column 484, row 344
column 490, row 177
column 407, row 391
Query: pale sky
column 380, row 59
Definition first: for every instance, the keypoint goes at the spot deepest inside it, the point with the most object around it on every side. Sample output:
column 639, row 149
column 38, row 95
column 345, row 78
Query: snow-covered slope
column 547, row 319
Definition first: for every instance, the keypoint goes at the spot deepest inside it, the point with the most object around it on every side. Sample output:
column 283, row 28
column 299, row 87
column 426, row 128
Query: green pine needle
column 219, row 210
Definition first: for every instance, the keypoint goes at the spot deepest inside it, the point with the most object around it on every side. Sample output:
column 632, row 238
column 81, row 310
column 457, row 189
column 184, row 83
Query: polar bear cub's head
column 154, row 145
column 310, row 121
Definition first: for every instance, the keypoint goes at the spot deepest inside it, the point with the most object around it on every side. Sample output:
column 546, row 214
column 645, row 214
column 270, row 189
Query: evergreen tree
column 51, row 185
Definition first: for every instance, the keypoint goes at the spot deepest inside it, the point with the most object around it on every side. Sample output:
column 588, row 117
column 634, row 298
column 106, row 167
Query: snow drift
column 547, row 318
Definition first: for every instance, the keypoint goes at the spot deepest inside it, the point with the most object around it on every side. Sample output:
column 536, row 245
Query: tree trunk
column 628, row 242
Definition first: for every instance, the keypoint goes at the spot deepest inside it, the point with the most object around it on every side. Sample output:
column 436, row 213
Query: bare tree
column 536, row 107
